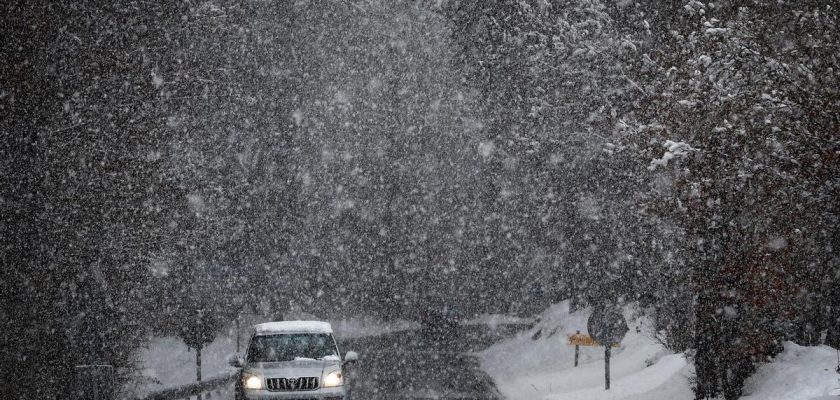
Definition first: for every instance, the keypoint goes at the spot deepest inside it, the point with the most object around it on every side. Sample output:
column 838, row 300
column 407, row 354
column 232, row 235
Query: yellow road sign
column 584, row 340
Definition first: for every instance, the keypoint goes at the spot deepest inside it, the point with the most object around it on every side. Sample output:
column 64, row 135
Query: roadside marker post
column 607, row 367
column 608, row 326
column 578, row 340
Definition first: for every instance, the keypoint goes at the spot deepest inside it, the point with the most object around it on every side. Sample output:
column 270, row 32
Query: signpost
column 608, row 327
column 578, row 340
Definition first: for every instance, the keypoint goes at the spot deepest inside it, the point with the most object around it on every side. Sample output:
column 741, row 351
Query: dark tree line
column 78, row 121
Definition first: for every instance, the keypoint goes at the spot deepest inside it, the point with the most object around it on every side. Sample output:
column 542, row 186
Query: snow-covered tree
column 740, row 124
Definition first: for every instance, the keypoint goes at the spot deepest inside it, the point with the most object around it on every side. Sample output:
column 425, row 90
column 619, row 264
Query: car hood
column 291, row 369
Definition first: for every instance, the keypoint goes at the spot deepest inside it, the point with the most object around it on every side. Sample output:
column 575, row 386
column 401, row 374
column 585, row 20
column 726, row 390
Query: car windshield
column 288, row 347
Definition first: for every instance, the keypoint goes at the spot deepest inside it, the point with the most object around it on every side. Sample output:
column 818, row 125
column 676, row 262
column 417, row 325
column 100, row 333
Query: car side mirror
column 351, row 357
column 235, row 361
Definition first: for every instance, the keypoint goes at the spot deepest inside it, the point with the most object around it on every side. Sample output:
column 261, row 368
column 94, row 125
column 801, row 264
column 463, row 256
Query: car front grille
column 313, row 398
column 305, row 398
column 291, row 384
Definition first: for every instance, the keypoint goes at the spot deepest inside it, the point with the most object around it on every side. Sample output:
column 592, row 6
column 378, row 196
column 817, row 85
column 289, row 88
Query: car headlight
column 252, row 382
column 333, row 379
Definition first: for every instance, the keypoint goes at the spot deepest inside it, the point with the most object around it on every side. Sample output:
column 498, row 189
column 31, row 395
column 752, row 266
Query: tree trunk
column 198, row 364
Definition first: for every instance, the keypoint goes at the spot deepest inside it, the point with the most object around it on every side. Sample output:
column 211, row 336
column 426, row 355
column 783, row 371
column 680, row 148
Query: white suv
column 292, row 360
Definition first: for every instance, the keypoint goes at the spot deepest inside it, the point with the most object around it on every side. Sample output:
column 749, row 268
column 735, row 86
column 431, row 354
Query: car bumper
column 335, row 393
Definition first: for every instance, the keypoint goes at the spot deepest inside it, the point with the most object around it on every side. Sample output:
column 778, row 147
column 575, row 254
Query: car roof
column 293, row 327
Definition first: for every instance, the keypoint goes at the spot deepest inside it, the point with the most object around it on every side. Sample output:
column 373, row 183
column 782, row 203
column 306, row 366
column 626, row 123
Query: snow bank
column 525, row 368
column 798, row 373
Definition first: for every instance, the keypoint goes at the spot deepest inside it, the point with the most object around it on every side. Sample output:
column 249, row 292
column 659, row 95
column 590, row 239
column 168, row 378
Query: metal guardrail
column 199, row 390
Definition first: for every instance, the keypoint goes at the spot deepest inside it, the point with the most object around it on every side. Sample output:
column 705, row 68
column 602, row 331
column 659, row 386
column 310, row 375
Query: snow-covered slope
column 528, row 369
column 799, row 372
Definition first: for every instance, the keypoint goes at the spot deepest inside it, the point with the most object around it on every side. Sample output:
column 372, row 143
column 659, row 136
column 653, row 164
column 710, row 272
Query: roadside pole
column 607, row 366
column 237, row 333
column 198, row 364
column 608, row 326
column 579, row 340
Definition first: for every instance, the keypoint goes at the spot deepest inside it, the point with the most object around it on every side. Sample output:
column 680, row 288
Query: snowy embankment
column 799, row 372
column 526, row 368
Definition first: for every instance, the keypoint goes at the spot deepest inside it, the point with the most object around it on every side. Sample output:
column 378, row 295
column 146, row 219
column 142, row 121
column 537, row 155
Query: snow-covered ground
column 799, row 372
column 528, row 369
